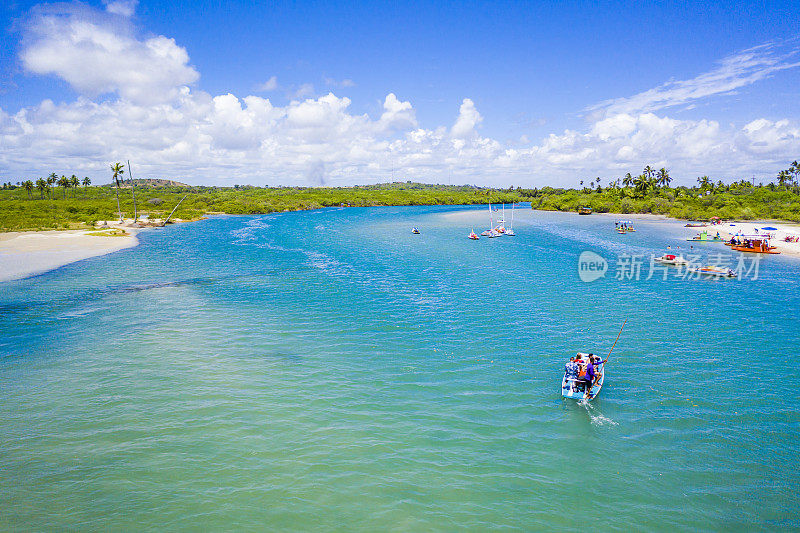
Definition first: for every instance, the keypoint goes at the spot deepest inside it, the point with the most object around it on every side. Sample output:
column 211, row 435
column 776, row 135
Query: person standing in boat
column 571, row 372
column 592, row 373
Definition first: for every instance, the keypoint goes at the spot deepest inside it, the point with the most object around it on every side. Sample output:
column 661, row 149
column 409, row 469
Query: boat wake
column 597, row 419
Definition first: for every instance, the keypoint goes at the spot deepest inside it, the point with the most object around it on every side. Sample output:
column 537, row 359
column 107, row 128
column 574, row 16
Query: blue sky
column 490, row 93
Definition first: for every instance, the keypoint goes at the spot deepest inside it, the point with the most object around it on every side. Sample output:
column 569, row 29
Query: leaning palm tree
column 118, row 171
column 627, row 181
column 28, row 184
column 86, row 183
column 41, row 184
column 74, row 182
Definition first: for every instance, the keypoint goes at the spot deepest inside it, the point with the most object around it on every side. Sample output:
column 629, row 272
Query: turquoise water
column 330, row 370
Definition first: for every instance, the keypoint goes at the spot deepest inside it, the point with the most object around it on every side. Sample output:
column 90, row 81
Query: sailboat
column 500, row 228
column 473, row 235
column 510, row 230
column 490, row 231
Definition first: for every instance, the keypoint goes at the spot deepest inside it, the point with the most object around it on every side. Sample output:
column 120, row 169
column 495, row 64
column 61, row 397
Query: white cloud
column 125, row 8
column 735, row 71
column 98, row 55
column 269, row 85
column 304, row 91
column 170, row 130
column 468, row 119
column 345, row 83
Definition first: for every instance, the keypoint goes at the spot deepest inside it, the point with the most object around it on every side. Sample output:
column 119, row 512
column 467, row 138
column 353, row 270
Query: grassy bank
column 81, row 207
column 22, row 209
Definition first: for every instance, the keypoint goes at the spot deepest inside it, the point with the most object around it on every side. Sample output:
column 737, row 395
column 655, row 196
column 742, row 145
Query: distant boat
column 510, row 230
column 625, row 225
column 756, row 245
column 415, row 231
column 584, row 210
column 490, row 231
column 695, row 225
column 703, row 237
column 671, row 259
column 713, row 271
column 473, row 235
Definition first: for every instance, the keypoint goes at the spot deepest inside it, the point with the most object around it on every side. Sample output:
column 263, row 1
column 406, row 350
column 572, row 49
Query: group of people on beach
column 584, row 372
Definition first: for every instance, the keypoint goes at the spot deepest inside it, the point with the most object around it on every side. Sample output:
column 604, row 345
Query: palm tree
column 41, row 184
column 704, row 183
column 118, row 171
column 28, row 184
column 86, row 183
column 663, row 178
column 51, row 180
column 627, row 181
column 648, row 172
column 783, row 177
column 74, row 182
column 64, row 182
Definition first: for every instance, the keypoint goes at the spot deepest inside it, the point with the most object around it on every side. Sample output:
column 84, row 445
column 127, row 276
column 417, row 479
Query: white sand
column 727, row 229
column 24, row 254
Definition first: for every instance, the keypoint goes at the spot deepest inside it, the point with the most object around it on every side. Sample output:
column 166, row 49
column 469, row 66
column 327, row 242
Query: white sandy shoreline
column 27, row 253
column 728, row 229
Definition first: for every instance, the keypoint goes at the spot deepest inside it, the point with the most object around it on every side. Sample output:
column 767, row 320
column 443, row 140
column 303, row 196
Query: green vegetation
column 22, row 209
column 650, row 193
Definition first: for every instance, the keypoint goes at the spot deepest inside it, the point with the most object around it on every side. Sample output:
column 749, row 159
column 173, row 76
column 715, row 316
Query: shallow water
column 329, row 369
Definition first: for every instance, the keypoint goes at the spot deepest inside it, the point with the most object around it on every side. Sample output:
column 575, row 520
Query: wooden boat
column 625, row 225
column 695, row 225
column 473, row 235
column 671, row 259
column 756, row 246
column 584, row 210
column 415, row 231
column 571, row 388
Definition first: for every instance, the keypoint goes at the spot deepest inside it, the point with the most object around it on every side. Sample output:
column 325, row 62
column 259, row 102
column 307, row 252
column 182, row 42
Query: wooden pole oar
column 615, row 342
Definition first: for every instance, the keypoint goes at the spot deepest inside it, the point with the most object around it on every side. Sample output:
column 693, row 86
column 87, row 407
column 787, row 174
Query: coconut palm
column 627, row 181
column 41, row 184
column 74, row 182
column 118, row 171
column 28, row 184
column 64, row 182
column 86, row 183
column 663, row 179
column 51, row 180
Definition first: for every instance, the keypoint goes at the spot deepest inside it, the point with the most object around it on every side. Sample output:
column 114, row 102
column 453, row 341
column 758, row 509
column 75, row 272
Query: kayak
column 569, row 387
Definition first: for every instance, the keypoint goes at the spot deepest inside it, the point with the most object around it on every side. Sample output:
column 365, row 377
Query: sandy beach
column 728, row 229
column 27, row 253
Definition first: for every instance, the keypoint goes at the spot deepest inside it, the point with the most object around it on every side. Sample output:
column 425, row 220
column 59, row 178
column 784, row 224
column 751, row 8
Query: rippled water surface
column 330, row 370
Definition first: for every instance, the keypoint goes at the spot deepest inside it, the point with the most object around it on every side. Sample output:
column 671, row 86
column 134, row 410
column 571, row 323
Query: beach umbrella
column 770, row 228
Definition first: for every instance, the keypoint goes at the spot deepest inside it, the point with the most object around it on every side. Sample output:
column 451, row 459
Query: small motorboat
column 510, row 233
column 415, row 231
column 713, row 272
column 584, row 210
column 575, row 389
column 671, row 259
column 473, row 235
column 493, row 234
column 571, row 388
